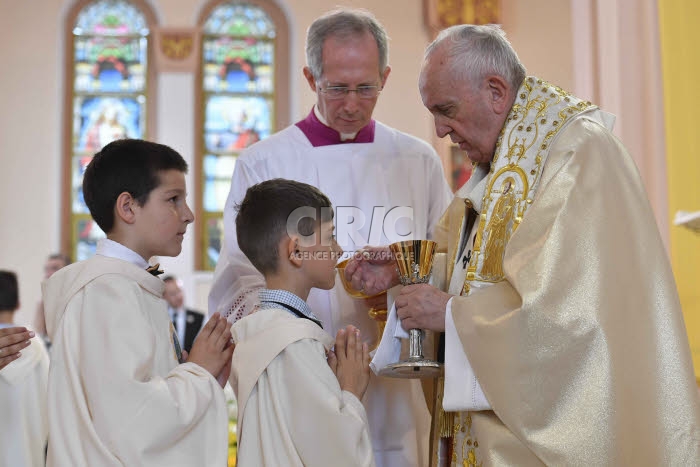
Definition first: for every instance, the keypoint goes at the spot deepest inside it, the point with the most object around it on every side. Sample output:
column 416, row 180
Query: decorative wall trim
column 176, row 49
column 441, row 14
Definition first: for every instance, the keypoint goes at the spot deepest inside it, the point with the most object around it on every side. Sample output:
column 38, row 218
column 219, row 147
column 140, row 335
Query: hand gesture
column 350, row 361
column 422, row 306
column 213, row 349
column 12, row 340
column 372, row 270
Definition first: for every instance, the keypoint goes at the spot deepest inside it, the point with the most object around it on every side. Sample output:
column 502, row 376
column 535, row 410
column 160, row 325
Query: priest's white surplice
column 371, row 185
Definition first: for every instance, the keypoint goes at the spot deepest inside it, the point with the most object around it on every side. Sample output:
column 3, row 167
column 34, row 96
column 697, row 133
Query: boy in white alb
column 23, row 423
column 294, row 407
column 121, row 393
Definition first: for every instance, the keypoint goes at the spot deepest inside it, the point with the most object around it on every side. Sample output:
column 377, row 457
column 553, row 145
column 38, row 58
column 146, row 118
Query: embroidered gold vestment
column 578, row 341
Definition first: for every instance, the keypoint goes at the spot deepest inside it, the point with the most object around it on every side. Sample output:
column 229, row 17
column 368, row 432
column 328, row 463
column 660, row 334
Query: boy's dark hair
column 263, row 214
column 130, row 165
column 9, row 291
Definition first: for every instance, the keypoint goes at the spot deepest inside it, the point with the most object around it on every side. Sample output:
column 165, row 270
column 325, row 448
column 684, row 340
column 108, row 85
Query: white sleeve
column 440, row 195
column 234, row 291
column 462, row 389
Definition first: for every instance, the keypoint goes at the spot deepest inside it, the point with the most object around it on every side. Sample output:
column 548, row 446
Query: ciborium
column 414, row 260
column 377, row 314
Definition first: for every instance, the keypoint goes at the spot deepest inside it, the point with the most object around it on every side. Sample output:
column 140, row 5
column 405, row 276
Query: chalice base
column 413, row 369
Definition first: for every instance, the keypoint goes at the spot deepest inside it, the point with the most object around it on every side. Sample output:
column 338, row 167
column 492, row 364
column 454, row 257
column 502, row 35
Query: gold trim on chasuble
column 467, row 452
column 538, row 114
column 540, row 111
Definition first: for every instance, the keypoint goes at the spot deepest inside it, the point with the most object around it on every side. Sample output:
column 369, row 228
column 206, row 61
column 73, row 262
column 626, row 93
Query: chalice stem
column 415, row 344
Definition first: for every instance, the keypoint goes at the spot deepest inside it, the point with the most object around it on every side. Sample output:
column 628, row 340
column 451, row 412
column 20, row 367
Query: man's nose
column 442, row 130
column 351, row 101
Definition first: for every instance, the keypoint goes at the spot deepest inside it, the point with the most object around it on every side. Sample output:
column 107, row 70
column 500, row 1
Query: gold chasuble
column 568, row 312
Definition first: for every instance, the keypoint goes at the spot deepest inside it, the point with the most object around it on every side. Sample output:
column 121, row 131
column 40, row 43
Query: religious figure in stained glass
column 110, row 51
column 105, row 119
column 238, row 50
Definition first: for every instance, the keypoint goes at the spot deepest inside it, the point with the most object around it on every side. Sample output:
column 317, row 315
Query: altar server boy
column 121, row 392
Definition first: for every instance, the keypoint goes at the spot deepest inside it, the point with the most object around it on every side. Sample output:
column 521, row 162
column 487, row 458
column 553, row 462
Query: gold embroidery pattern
column 539, row 113
column 499, row 229
column 466, row 455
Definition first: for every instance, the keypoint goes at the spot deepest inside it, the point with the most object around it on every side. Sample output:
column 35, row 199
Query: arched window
column 244, row 97
column 109, row 82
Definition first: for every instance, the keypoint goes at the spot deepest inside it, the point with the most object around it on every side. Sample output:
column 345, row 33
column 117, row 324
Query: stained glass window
column 239, row 94
column 109, row 76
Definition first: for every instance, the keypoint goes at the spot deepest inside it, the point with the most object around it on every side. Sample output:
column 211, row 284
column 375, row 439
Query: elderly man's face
column 348, row 62
column 471, row 114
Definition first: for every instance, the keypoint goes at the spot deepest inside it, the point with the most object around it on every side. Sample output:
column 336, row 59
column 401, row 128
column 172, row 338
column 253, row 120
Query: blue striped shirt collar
column 268, row 297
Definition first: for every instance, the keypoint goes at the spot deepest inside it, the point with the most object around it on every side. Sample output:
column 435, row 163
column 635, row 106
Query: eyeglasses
column 339, row 92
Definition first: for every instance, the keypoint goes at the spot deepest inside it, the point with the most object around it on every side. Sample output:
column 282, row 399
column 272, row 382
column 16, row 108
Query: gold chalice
column 376, row 314
column 414, row 259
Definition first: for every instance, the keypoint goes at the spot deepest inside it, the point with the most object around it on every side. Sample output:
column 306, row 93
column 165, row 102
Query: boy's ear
column 293, row 250
column 124, row 208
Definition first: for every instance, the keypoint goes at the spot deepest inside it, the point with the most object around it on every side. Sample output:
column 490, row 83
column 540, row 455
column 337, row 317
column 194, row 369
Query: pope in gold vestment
column 580, row 347
column 564, row 338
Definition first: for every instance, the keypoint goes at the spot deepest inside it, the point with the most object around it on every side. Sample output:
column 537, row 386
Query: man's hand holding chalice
column 372, row 270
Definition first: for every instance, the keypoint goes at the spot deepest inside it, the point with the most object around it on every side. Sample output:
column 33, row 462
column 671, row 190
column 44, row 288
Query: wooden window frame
column 281, row 105
column 67, row 234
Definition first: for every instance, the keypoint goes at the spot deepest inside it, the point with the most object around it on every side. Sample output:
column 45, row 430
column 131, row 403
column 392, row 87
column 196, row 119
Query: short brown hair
column 263, row 214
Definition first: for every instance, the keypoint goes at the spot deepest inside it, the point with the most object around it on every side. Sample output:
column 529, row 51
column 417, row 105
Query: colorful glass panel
column 214, row 234
column 110, row 64
column 234, row 123
column 78, row 170
column 239, row 19
column 217, row 181
column 87, row 233
column 238, row 65
column 110, row 18
column 99, row 120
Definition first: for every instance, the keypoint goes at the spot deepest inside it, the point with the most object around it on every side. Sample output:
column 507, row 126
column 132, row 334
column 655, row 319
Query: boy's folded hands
column 350, row 361
column 213, row 348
